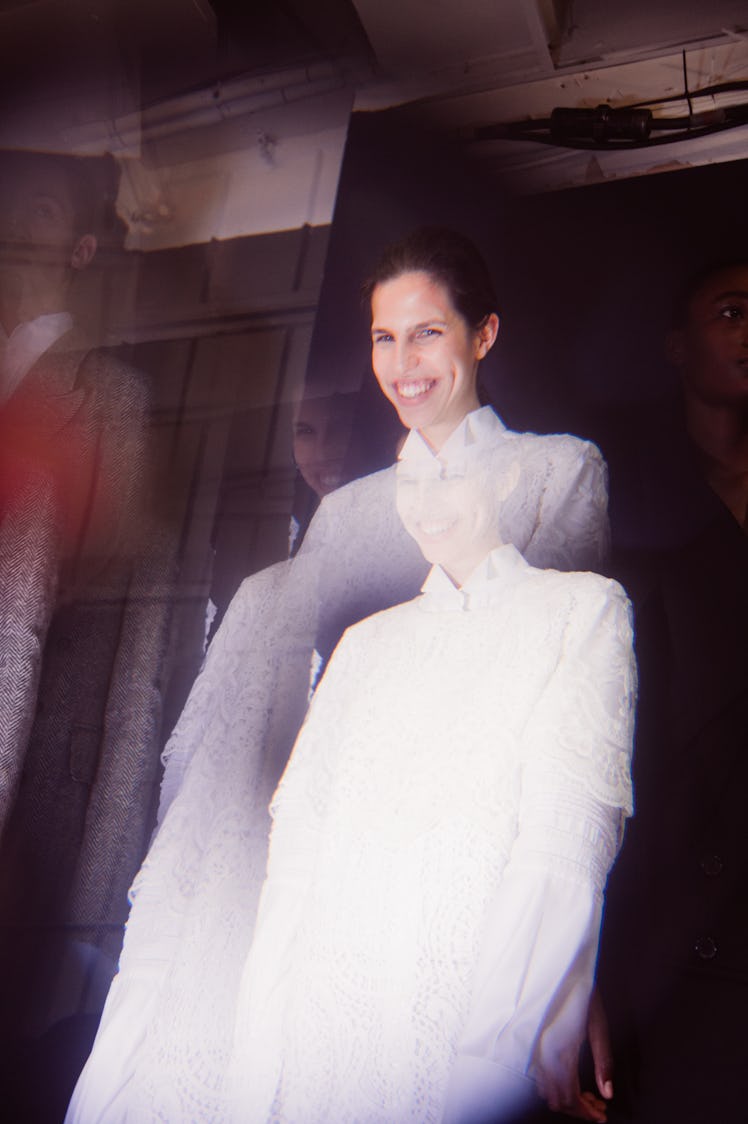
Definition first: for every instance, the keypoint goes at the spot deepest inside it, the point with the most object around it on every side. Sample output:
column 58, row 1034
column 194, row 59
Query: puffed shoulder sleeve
column 364, row 558
column 584, row 721
column 572, row 530
column 257, row 666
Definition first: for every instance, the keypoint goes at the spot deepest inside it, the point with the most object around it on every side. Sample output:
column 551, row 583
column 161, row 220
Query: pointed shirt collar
column 475, row 431
column 502, row 568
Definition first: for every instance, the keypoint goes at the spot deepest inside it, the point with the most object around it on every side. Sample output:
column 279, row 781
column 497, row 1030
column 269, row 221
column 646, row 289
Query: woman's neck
column 437, row 435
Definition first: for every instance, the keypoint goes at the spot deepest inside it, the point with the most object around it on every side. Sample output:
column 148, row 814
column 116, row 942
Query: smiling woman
column 172, row 1043
column 425, row 355
column 453, row 516
column 434, row 318
column 321, row 437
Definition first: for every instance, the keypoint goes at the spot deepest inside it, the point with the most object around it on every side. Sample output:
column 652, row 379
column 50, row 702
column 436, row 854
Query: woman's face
column 321, row 436
column 424, row 354
column 452, row 516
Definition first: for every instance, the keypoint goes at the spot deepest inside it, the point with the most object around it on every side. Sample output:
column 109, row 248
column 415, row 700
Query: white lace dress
column 442, row 835
column 428, row 926
column 163, row 1048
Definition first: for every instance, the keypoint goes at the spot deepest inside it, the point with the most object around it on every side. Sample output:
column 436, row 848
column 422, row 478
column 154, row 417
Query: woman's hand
column 598, row 1036
column 562, row 1093
column 560, row 1086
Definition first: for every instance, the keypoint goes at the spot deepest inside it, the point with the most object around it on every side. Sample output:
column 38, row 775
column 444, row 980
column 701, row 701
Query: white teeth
column 414, row 389
column 437, row 528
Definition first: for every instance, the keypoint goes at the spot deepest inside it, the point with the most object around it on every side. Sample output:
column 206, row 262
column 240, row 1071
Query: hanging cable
column 606, row 127
column 685, row 84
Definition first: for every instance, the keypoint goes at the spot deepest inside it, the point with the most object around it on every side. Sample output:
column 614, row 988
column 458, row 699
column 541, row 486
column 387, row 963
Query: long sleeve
column 170, row 1009
column 102, row 1092
column 572, row 530
column 534, row 975
column 298, row 808
column 235, row 680
column 535, row 970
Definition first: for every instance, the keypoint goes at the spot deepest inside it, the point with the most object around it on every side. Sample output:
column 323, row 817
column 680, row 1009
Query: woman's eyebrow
column 429, row 322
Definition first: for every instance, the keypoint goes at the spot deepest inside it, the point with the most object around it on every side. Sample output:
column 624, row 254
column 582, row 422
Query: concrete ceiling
column 462, row 67
column 184, row 79
column 437, row 46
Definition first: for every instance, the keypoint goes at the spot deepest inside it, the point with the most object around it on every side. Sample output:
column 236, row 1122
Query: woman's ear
column 83, row 251
column 486, row 334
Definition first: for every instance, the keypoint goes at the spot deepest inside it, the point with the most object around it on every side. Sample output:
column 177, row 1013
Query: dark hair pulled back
column 449, row 258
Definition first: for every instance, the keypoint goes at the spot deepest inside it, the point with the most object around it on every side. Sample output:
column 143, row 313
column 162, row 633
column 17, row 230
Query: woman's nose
column 406, row 357
column 334, row 442
column 431, row 496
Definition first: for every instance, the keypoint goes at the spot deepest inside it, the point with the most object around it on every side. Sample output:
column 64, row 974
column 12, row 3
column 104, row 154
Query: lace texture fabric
column 357, row 559
column 557, row 514
column 162, row 1049
column 419, row 779
column 165, row 1050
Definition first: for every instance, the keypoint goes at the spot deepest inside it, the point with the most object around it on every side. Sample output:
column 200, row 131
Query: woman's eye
column 45, row 210
column 732, row 312
column 303, row 430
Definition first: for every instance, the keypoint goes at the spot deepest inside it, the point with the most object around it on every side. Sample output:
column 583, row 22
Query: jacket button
column 712, row 865
column 706, row 948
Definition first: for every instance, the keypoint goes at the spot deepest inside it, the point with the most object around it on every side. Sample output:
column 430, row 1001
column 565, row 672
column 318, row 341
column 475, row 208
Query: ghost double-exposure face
column 452, row 511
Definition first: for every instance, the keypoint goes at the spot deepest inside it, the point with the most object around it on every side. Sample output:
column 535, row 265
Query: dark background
column 586, row 277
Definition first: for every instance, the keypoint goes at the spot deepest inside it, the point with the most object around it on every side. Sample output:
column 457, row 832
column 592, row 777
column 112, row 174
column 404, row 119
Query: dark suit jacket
column 84, row 754
column 674, row 959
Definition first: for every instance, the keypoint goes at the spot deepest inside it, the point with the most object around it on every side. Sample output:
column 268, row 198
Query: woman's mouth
column 414, row 389
column 331, row 481
column 328, row 477
column 436, row 528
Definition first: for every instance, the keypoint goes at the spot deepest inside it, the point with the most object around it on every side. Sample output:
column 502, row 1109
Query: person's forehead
column 414, row 292
column 326, row 406
column 729, row 282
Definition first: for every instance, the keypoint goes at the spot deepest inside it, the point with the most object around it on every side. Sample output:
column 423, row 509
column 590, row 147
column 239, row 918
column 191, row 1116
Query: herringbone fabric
column 84, row 773
column 29, row 543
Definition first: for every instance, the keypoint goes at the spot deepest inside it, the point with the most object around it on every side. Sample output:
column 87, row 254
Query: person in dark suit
column 674, row 960
column 82, row 619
